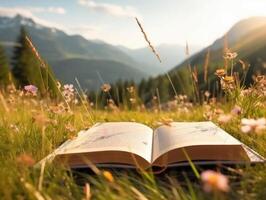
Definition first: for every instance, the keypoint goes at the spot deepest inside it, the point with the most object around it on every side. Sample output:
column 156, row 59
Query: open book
column 136, row 145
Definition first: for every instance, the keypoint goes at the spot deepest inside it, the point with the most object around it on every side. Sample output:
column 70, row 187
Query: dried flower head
column 58, row 84
column 207, row 94
column 131, row 89
column 229, row 79
column 70, row 128
column 14, row 127
column 26, row 160
column 228, row 55
column 11, row 89
column 132, row 100
column 106, row 87
column 111, row 105
column 214, row 181
column 40, row 119
column 165, row 121
column 228, row 83
column 220, row 72
column 244, row 65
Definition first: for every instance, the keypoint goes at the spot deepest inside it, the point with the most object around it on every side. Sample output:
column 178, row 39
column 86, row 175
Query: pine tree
column 28, row 69
column 20, row 65
column 4, row 69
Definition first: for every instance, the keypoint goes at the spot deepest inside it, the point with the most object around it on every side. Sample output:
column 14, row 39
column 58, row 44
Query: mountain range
column 93, row 62
column 74, row 55
column 247, row 38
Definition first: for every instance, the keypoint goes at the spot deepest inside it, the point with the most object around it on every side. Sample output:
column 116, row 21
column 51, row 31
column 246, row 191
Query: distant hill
column 54, row 44
column 247, row 38
column 170, row 55
column 90, row 72
column 57, row 47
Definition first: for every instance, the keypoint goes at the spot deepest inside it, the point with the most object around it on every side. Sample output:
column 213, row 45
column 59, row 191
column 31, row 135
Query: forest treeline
column 28, row 68
column 191, row 79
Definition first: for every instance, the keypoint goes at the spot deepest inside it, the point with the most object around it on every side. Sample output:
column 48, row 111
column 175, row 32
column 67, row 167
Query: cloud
column 55, row 10
column 30, row 12
column 88, row 31
column 111, row 9
column 86, row 28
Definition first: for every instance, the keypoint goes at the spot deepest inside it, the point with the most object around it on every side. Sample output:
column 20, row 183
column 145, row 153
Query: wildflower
column 106, row 87
column 181, row 98
column 260, row 78
column 223, row 119
column 31, row 89
column 236, row 110
column 131, row 89
column 84, row 96
column 14, row 127
column 213, row 100
column 207, row 115
column 207, row 94
column 214, row 181
column 230, row 55
column 229, row 79
column 220, row 72
column 68, row 92
column 40, row 119
column 70, row 128
column 69, row 87
column 132, row 100
column 227, row 82
column 108, row 175
column 245, row 92
column 11, row 89
column 87, row 191
column 72, row 136
column 165, row 121
column 111, row 105
column 58, row 84
column 76, row 101
column 218, row 111
column 244, row 65
column 249, row 125
column 26, row 160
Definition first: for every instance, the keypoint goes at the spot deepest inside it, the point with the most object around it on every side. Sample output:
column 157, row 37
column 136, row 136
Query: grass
column 31, row 128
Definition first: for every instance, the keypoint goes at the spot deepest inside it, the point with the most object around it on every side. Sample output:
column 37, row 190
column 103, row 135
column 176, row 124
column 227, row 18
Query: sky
column 199, row 22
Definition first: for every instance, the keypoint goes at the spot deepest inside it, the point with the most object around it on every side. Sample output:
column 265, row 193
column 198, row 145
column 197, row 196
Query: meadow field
column 38, row 113
column 32, row 127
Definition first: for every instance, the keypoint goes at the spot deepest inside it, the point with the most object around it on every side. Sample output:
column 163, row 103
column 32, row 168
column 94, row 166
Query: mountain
column 170, row 55
column 57, row 47
column 54, row 44
column 92, row 73
column 247, row 38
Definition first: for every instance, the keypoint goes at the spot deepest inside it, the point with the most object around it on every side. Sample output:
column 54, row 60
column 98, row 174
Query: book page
column 185, row 134
column 113, row 137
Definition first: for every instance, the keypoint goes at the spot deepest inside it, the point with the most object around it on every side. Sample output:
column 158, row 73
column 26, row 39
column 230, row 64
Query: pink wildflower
column 214, row 181
column 248, row 125
column 31, row 89
column 224, row 118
